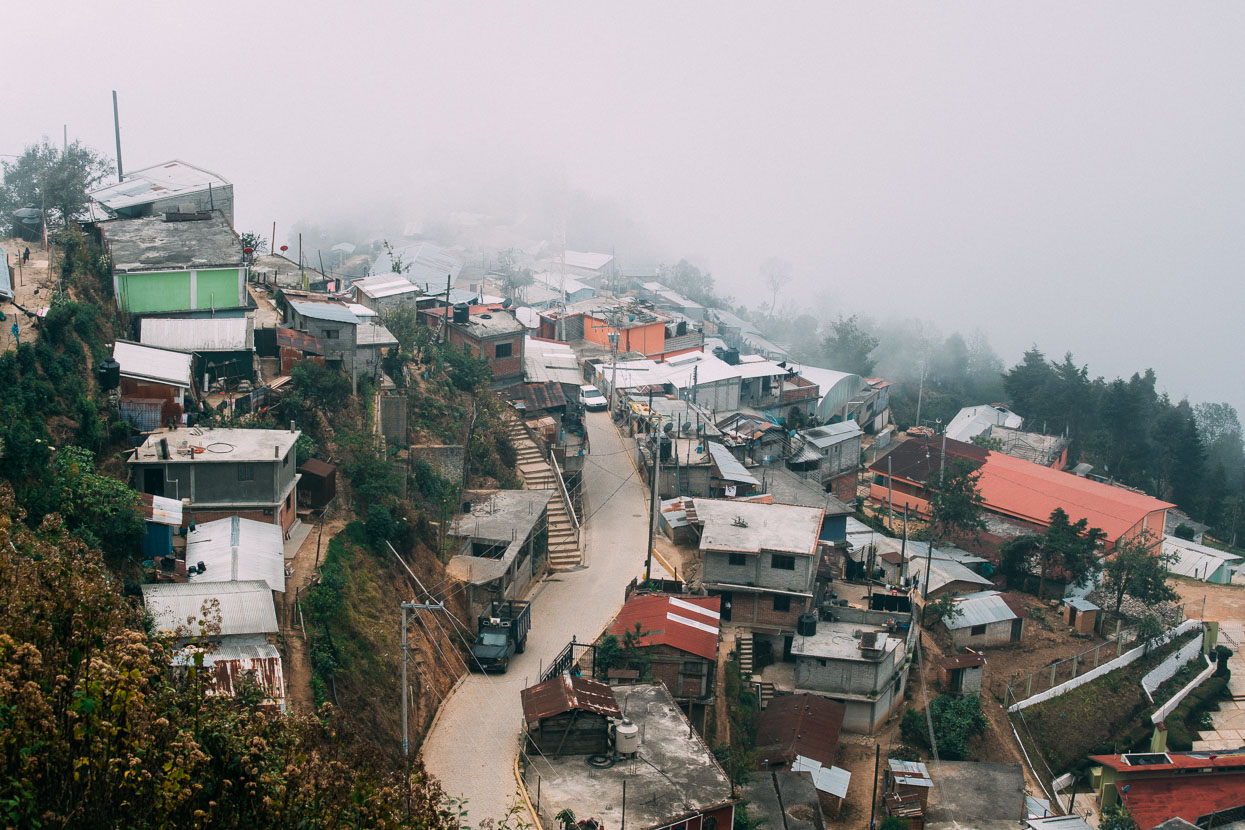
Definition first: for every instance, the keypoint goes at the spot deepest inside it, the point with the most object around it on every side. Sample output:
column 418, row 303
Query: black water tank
column 731, row 356
column 462, row 313
column 667, row 447
column 108, row 373
column 807, row 625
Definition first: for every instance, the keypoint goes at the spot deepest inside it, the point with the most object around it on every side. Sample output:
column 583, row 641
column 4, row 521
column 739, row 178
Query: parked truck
column 500, row 633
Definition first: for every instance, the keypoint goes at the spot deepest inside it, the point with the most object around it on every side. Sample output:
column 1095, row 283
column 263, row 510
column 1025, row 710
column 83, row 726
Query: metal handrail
column 566, row 497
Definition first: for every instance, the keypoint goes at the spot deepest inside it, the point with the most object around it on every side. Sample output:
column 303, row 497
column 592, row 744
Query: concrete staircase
column 564, row 553
column 743, row 652
column 765, row 691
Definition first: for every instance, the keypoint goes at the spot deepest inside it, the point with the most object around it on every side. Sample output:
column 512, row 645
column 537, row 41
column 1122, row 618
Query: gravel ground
column 475, row 738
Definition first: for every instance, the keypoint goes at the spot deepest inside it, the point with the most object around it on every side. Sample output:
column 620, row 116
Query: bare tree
column 776, row 273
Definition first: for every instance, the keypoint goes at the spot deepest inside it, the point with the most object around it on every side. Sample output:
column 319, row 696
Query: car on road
column 592, row 399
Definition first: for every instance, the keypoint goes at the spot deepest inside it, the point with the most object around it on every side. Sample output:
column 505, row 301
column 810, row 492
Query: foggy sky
column 1064, row 174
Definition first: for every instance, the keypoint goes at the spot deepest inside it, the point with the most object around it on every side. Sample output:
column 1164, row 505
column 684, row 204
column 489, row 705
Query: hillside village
column 580, row 550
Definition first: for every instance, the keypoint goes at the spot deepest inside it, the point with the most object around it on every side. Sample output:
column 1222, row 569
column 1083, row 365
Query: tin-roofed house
column 832, row 454
column 349, row 344
column 154, row 384
column 386, row 292
column 171, row 187
column 222, row 347
column 569, row 715
column 220, row 609
column 680, row 637
column 986, row 618
column 177, row 263
column 236, row 550
column 799, row 725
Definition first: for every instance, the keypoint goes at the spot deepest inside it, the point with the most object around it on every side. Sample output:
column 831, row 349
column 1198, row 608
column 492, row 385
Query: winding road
column 475, row 737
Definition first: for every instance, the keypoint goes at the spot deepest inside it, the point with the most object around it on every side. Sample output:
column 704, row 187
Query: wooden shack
column 569, row 716
column 318, row 484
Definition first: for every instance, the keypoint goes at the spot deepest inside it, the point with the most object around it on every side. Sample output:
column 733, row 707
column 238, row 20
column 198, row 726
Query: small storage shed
column 961, row 674
column 568, row 715
column 318, row 485
column 1081, row 614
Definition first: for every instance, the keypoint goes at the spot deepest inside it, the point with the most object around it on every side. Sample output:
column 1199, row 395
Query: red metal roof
column 564, row 693
column 1030, row 491
column 794, row 725
column 1155, row 800
column 1179, row 760
column 687, row 623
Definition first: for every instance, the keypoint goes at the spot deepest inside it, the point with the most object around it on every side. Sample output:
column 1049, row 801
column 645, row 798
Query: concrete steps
column 743, row 650
column 765, row 691
column 536, row 473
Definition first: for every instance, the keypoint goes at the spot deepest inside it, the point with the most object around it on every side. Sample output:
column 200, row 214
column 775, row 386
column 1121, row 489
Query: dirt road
column 32, row 289
column 302, row 569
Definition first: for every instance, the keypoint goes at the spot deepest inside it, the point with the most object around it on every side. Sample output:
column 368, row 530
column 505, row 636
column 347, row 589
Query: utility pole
column 877, row 761
column 445, row 324
column 116, row 125
column 903, row 547
column 890, row 497
column 655, row 434
column 942, row 465
column 410, row 606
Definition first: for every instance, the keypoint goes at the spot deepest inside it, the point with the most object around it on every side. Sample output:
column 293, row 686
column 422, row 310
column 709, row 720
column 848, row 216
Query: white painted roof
column 166, row 511
column 558, row 282
column 237, row 549
column 218, row 334
column 586, row 259
column 971, row 421
column 148, row 363
column 387, row 285
column 245, row 607
column 729, row 466
column 1194, row 560
column 160, row 181
column 545, row 362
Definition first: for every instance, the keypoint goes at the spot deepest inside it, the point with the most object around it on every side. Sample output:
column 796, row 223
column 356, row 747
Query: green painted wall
column 223, row 284
column 155, row 291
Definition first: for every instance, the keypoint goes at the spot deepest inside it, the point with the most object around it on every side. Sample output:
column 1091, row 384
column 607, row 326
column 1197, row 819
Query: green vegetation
column 945, row 609
column 848, row 346
column 738, row 756
column 955, row 503
column 1069, row 549
column 1138, row 568
column 47, row 177
column 957, row 720
column 1116, row 818
column 1193, row 713
column 625, row 653
column 96, row 723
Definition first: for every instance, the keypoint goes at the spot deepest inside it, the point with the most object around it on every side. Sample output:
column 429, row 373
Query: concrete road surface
column 475, row 738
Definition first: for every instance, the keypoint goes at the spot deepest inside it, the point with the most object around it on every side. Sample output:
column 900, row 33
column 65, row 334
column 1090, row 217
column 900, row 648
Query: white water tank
column 627, row 738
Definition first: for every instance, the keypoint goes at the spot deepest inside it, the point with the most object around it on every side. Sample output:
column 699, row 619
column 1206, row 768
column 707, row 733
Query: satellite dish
column 505, row 303
column 28, row 213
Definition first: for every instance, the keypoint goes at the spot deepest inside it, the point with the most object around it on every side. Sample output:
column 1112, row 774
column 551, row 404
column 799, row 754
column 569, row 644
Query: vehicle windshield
column 593, row 393
column 493, row 638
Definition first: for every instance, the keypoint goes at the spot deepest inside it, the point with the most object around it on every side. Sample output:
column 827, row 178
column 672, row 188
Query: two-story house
column 353, row 345
column 761, row 559
column 860, row 658
column 833, row 451
column 224, row 472
column 490, row 333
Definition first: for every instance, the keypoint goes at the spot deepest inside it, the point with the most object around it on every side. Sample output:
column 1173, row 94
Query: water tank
column 806, row 626
column 462, row 313
column 667, row 448
column 627, row 738
column 731, row 356
column 108, row 373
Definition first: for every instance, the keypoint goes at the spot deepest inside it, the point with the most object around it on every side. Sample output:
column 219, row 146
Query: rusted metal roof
column 541, row 396
column 300, row 340
column 793, row 725
column 566, row 693
column 318, row 468
column 160, row 510
column 963, row 661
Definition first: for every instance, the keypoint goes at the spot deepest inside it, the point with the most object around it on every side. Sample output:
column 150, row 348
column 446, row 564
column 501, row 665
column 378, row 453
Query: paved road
column 475, row 738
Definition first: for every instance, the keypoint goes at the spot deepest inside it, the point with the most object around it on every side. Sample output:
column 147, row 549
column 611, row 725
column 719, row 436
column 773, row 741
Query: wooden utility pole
column 877, row 760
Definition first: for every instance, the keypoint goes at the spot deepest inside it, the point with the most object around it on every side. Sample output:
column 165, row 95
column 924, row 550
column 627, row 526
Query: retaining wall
column 1166, row 670
column 1130, row 656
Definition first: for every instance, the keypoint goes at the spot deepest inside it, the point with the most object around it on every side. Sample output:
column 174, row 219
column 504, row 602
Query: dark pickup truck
column 500, row 633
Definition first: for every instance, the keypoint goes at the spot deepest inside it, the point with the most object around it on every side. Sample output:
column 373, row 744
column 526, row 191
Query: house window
column 246, row 472
column 782, row 602
column 692, row 667
column 782, row 563
column 977, row 631
column 738, row 559
column 331, row 334
column 504, row 350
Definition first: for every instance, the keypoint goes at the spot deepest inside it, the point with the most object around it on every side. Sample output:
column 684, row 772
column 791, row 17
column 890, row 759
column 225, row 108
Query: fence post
column 1075, row 660
column 1029, row 685
column 1052, row 674
column 1097, row 649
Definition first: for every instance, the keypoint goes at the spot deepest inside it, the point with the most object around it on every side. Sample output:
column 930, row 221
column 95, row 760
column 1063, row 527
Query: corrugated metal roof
column 832, row 780
column 219, row 334
column 585, row 259
column 147, row 363
column 237, row 549
column 162, row 511
column 831, row 434
column 387, row 285
column 160, row 181
column 6, row 277
column 799, row 725
column 728, row 466
column 687, row 623
column 374, row 334
column 565, row 693
column 1194, row 560
column 1081, row 604
column 245, row 607
column 1058, row 823
column 910, row 773
column 982, row 608
column 300, row 340
column 325, row 311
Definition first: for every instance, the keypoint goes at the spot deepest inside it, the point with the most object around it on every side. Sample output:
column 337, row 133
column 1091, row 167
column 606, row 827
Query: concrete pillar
column 1158, row 741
